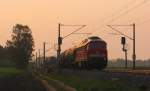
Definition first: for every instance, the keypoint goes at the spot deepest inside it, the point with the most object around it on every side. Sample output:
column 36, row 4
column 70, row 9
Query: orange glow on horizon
column 43, row 17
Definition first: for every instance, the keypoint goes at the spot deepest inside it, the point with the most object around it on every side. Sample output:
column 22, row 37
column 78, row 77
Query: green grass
column 53, row 83
column 6, row 63
column 82, row 84
column 9, row 71
column 18, row 80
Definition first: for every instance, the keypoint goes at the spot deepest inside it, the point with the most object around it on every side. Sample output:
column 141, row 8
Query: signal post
column 133, row 39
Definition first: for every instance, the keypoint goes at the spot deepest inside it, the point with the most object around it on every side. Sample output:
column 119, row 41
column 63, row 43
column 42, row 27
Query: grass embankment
column 10, row 71
column 91, row 84
column 13, row 79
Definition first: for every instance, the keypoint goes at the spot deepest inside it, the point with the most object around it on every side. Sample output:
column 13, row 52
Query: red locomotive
column 91, row 53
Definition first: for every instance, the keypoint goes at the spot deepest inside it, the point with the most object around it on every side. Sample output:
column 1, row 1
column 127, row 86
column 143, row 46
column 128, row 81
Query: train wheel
column 79, row 65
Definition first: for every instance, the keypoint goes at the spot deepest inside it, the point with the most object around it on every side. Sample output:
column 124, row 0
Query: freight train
column 91, row 53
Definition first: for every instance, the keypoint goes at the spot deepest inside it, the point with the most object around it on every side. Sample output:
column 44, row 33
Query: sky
column 43, row 16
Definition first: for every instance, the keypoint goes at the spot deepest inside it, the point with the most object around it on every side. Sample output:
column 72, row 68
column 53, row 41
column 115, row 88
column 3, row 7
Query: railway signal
column 131, row 38
column 124, row 49
column 123, row 40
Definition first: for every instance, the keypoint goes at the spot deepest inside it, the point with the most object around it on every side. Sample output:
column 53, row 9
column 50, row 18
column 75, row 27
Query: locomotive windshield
column 96, row 44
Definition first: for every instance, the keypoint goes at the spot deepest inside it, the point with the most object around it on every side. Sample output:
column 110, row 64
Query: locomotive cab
column 97, row 49
column 97, row 54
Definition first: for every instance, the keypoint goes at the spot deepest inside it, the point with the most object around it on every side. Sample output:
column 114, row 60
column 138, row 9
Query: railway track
column 129, row 71
column 112, row 72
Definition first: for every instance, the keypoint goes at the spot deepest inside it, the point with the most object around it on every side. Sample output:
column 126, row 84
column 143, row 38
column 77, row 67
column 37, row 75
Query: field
column 12, row 79
column 9, row 71
column 101, row 81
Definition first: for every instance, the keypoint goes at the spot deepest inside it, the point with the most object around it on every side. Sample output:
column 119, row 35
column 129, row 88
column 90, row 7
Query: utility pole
column 44, row 55
column 59, row 47
column 39, row 61
column 126, row 59
column 134, row 55
column 60, row 40
column 36, row 62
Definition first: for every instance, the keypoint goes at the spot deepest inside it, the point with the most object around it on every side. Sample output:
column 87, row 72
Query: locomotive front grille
column 97, row 62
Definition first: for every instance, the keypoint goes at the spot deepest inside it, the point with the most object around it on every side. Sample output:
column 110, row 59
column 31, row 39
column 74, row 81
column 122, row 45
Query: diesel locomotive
column 91, row 53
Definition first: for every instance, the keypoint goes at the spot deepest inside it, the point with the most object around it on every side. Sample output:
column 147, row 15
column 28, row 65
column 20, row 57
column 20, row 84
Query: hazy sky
column 43, row 16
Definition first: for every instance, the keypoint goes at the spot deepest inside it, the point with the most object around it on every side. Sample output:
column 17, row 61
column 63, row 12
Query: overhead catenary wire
column 118, row 11
column 71, row 25
column 115, row 13
column 119, row 32
column 129, row 10
column 125, row 8
column 137, row 19
column 123, row 13
column 74, row 31
column 41, row 52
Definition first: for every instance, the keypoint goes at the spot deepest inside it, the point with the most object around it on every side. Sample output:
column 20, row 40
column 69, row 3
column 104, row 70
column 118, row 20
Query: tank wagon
column 91, row 53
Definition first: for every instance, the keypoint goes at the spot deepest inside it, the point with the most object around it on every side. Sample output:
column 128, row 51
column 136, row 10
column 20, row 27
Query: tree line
column 18, row 50
column 120, row 62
